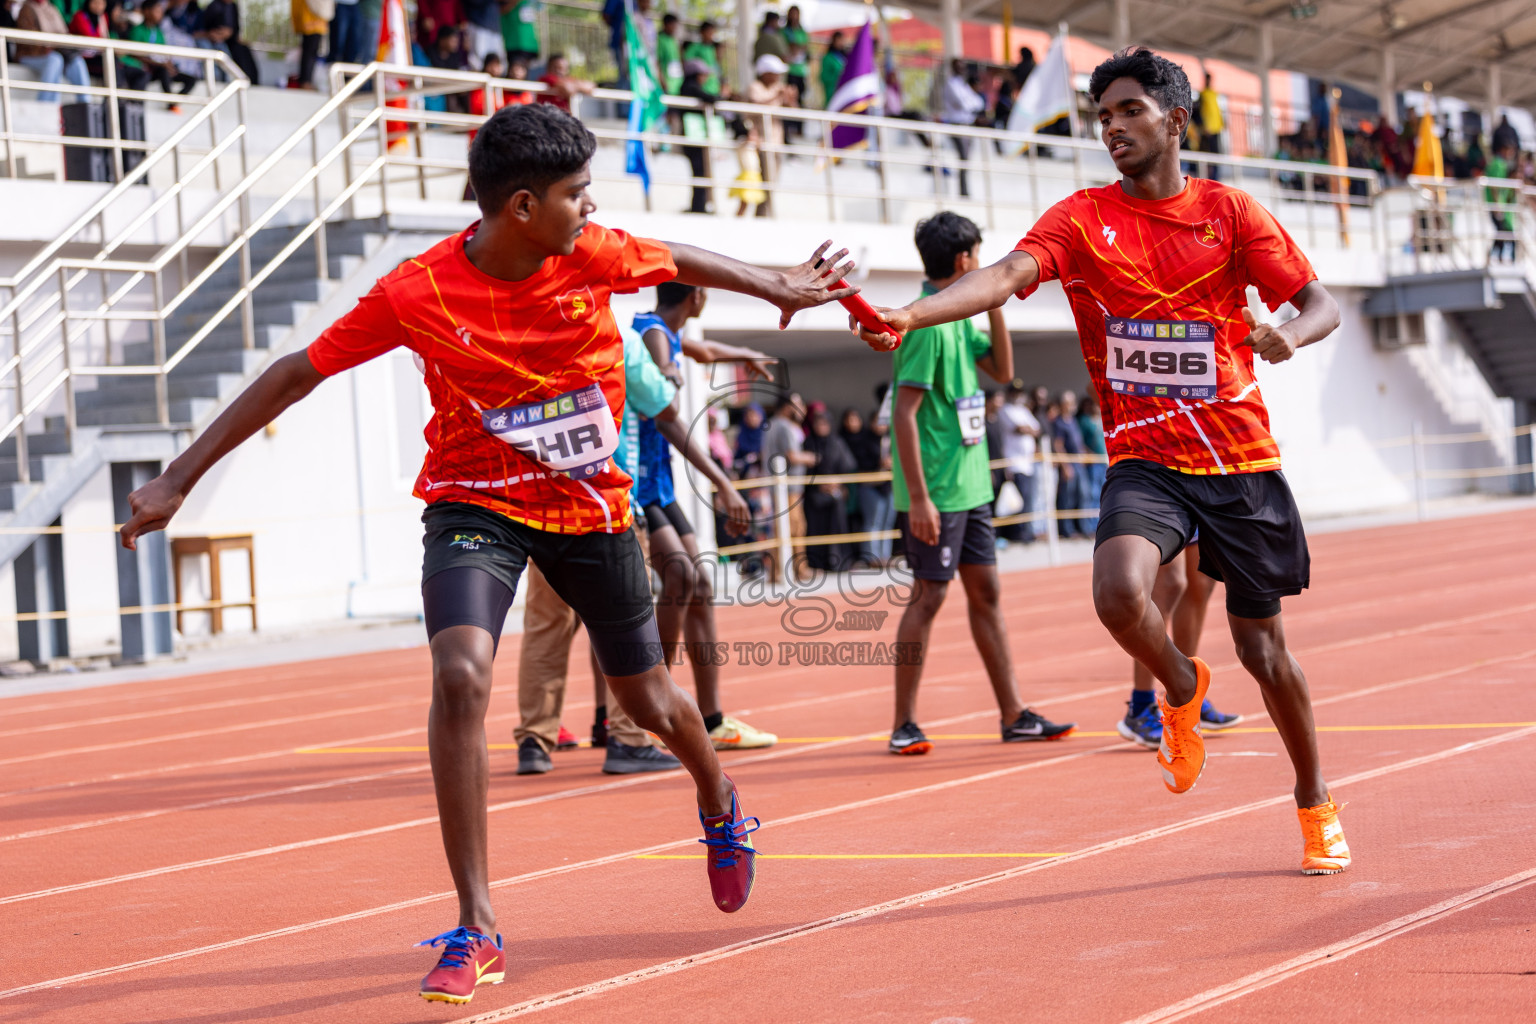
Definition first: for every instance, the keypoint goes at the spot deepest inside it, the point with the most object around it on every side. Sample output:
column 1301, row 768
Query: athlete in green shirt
column 943, row 487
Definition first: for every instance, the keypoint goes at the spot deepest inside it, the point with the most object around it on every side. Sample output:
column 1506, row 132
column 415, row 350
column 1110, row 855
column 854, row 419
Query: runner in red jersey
column 525, row 365
column 1156, row 267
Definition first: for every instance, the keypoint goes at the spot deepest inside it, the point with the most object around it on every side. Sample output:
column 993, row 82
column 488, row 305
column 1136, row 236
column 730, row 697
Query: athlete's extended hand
column 738, row 514
column 152, row 506
column 1271, row 344
column 923, row 520
column 900, row 319
column 816, row 281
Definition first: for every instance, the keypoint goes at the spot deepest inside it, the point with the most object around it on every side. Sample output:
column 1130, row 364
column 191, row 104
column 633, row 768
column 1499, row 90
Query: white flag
column 1047, row 95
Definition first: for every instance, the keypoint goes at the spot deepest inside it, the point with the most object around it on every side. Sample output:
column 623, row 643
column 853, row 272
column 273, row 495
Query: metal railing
column 360, row 155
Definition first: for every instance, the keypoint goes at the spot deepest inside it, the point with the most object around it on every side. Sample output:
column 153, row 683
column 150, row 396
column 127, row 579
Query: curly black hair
column 528, row 146
column 1161, row 78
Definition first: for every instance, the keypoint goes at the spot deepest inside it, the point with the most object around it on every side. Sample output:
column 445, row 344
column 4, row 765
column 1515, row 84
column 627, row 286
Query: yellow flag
column 1428, row 160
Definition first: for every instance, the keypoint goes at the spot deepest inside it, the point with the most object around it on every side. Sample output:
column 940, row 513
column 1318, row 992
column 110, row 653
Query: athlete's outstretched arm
column 727, row 499
column 1318, row 317
column 812, row 283
column 998, row 363
column 983, row 289
column 283, row 383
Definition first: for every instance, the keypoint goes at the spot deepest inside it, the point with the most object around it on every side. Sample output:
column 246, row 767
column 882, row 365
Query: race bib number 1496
column 1160, row 358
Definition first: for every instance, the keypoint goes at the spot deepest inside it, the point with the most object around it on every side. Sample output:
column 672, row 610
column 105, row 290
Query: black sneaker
column 1030, row 726
column 532, row 758
column 626, row 760
column 600, row 734
column 909, row 739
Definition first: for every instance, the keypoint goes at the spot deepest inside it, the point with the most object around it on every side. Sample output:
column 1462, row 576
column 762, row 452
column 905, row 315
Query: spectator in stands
column 7, row 20
column 434, row 15
column 220, row 26
column 798, row 42
column 346, row 25
column 872, row 505
column 832, row 64
column 770, row 40
column 557, row 75
column 826, row 504
column 1091, row 426
column 962, row 106
column 91, row 22
column 448, row 50
column 1208, row 124
column 645, row 28
column 1024, row 68
column 696, row 75
column 1067, row 439
column 520, row 29
column 1505, row 136
column 669, row 55
column 1502, row 166
column 50, row 66
column 769, row 90
column 614, row 12
column 706, row 51
column 180, row 21
column 162, row 71
column 747, row 457
column 311, row 23
column 1021, row 432
column 483, row 29
column 893, row 104
column 785, row 437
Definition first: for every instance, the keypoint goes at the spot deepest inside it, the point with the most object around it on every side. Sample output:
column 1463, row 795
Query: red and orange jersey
column 505, row 359
column 1157, row 289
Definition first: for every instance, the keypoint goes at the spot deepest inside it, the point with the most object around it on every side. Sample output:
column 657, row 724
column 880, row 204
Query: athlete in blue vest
column 686, row 604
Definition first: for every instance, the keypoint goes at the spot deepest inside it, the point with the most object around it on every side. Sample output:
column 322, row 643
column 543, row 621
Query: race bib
column 571, row 434
column 972, row 411
column 1160, row 358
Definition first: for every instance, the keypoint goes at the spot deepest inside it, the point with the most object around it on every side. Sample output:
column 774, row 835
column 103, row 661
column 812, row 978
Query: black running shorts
column 1249, row 528
column 965, row 538
column 659, row 516
column 474, row 558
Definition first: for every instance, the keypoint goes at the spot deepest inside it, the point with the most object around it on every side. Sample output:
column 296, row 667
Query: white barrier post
column 1048, row 492
column 1421, row 499
column 779, row 468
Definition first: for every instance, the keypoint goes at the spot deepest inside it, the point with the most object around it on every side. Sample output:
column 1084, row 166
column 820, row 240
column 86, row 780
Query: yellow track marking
column 858, row 856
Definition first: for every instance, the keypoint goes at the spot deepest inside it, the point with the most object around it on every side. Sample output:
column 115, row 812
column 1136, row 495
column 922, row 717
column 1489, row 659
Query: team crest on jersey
column 576, row 306
column 1210, row 233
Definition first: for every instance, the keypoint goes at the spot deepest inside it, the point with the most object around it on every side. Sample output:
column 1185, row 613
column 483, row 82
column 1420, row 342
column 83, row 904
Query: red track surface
column 170, row 852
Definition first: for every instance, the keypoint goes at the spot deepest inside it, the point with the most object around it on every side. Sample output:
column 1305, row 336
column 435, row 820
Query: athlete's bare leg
column 1167, row 591
column 982, row 597
column 1124, row 573
column 658, row 705
column 461, row 692
column 1261, row 648
column 927, row 599
column 1189, row 613
column 699, row 631
column 685, row 610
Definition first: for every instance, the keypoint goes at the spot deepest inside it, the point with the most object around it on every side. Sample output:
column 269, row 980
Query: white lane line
column 773, row 938
column 220, row 731
column 562, row 869
column 837, row 920
column 1334, row 952
column 398, row 826
column 184, row 709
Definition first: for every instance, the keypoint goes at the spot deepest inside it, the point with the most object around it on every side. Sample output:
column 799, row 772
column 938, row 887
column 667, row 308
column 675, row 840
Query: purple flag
column 856, row 91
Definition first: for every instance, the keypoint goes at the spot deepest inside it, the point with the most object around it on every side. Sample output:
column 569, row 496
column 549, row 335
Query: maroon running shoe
column 732, row 861
column 469, row 957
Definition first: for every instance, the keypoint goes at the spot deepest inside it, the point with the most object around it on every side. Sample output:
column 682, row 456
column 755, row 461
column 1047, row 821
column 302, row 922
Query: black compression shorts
column 473, row 559
column 1249, row 528
column 659, row 516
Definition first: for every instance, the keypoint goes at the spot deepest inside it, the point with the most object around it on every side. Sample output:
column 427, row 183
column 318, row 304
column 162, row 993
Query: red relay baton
column 865, row 314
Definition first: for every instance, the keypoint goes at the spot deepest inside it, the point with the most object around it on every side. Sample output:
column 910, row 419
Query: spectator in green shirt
column 770, row 39
column 520, row 30
column 1502, row 166
column 669, row 55
column 943, row 487
column 707, row 50
column 799, row 42
column 162, row 71
column 832, row 64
